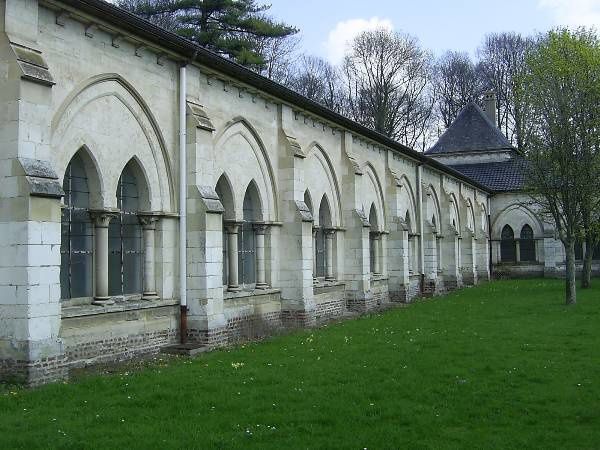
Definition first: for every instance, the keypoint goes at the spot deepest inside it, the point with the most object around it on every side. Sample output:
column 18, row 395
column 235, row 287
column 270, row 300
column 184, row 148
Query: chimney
column 489, row 106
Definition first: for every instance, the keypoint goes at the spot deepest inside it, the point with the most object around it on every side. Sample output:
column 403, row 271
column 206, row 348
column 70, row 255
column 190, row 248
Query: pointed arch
column 406, row 202
column 516, row 215
column 225, row 192
column 325, row 213
column 308, row 202
column 135, row 167
column 252, row 205
column 432, row 208
column 454, row 215
column 234, row 135
column 374, row 217
column 329, row 183
column 508, row 250
column 373, row 194
column 92, row 172
column 113, row 87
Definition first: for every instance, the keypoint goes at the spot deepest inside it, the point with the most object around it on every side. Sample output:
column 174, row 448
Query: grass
column 504, row 365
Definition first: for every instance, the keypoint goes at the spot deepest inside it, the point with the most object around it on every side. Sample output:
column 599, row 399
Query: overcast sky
column 440, row 25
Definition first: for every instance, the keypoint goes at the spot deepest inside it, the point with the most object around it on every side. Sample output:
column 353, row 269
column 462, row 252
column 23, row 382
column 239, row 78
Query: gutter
column 187, row 49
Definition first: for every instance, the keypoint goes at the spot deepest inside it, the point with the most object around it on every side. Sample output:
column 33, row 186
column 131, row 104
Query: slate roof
column 500, row 176
column 471, row 131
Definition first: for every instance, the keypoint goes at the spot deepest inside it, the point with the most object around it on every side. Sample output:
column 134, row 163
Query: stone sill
column 129, row 305
column 227, row 295
column 328, row 286
column 520, row 263
column 379, row 277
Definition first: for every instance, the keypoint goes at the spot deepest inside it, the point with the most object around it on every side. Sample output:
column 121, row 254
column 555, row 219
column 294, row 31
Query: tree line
column 547, row 89
column 387, row 81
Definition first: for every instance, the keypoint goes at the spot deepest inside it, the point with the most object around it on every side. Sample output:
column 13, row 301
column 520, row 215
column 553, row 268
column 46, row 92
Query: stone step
column 185, row 349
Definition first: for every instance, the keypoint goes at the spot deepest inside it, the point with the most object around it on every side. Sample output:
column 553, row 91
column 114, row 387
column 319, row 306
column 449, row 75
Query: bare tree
column 320, row 81
column 502, row 58
column 387, row 77
column 279, row 54
column 455, row 84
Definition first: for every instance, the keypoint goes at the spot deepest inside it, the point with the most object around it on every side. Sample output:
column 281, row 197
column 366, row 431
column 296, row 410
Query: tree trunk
column 586, row 274
column 570, row 284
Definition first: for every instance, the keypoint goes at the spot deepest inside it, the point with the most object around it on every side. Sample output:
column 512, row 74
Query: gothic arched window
column 125, row 239
column 508, row 251
column 247, row 237
column 527, row 244
column 77, row 234
column 374, row 241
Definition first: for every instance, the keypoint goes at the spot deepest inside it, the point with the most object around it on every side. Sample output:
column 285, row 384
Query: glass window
column 125, row 248
column 527, row 244
column 508, row 251
column 77, row 233
column 247, row 238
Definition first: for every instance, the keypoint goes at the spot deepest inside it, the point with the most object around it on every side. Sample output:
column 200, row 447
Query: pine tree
column 231, row 28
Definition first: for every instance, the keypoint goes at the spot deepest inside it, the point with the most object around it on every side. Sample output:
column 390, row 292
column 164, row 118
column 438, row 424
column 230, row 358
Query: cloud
column 343, row 33
column 573, row 13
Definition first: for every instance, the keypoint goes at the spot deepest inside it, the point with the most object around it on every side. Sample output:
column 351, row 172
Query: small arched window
column 224, row 192
column 374, row 241
column 77, row 233
column 324, row 223
column 125, row 239
column 527, row 244
column 508, row 252
column 247, row 237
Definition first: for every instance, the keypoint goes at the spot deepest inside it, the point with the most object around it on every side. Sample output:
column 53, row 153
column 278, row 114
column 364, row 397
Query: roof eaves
column 193, row 52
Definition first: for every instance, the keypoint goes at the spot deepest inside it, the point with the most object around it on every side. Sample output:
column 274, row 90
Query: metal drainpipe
column 421, row 237
column 182, row 203
column 489, row 219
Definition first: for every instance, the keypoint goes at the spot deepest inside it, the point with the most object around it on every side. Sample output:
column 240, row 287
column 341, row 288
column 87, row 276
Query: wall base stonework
column 119, row 348
column 330, row 302
column 249, row 327
column 360, row 302
column 381, row 293
column 292, row 318
column 34, row 373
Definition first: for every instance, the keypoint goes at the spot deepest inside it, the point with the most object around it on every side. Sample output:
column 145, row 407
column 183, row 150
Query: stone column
column 329, row 235
column 260, row 230
column 232, row 256
column 148, row 222
column 101, row 221
column 517, row 250
column 376, row 253
column 315, row 231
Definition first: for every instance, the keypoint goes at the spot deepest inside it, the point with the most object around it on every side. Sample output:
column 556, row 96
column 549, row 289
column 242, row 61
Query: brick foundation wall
column 298, row 319
column 248, row 327
column 119, row 348
column 34, row 373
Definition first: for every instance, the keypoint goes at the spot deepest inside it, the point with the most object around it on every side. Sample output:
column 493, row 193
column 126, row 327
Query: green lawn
column 504, row 365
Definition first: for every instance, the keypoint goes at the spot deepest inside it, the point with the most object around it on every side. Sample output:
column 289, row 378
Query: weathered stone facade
column 294, row 215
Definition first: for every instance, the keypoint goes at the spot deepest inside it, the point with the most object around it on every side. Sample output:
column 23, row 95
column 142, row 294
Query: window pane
column 76, row 234
column 320, row 242
column 81, row 275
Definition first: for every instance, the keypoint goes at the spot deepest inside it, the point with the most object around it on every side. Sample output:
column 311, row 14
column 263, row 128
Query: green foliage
column 232, row 28
column 503, row 365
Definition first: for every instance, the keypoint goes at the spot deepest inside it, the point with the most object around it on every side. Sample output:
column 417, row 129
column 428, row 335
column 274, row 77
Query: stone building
column 291, row 214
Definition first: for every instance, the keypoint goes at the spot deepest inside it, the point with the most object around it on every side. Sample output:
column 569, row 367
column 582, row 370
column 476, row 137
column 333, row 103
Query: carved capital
column 102, row 217
column 232, row 227
column 260, row 228
column 148, row 220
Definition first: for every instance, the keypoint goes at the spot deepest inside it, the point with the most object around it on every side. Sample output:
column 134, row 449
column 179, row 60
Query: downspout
column 182, row 203
column 489, row 219
column 421, row 237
